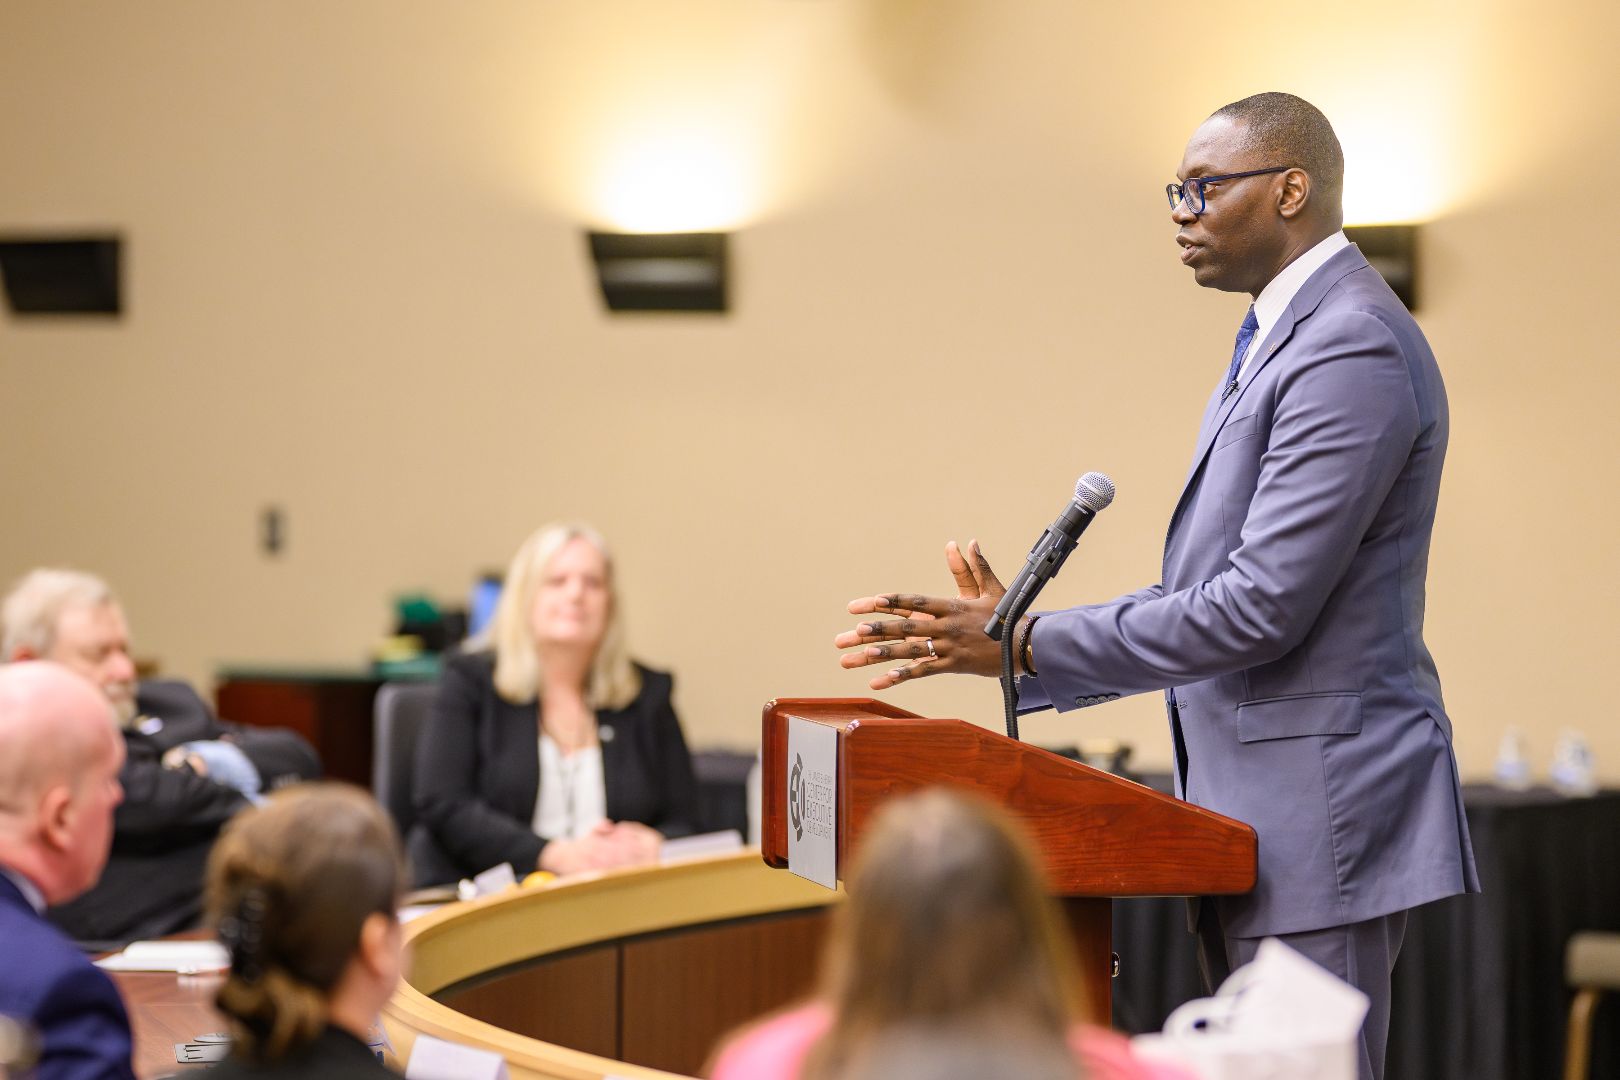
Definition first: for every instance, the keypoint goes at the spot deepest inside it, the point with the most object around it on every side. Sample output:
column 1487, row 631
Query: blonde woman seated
column 302, row 891
column 550, row 749
column 947, row 928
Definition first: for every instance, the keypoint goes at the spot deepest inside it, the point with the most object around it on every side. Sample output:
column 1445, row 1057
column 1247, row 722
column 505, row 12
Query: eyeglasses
column 1192, row 190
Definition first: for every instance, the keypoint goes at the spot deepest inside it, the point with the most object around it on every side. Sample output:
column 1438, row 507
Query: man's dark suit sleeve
column 279, row 755
column 449, row 801
column 167, row 807
column 85, row 1029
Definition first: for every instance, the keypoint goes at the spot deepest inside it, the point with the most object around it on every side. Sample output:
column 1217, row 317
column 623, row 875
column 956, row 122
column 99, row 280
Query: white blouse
column 573, row 795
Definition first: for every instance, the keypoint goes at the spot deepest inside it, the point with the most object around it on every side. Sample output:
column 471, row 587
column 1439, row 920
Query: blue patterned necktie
column 1246, row 334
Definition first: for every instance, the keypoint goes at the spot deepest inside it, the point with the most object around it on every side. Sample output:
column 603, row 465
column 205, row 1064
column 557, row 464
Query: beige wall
column 358, row 289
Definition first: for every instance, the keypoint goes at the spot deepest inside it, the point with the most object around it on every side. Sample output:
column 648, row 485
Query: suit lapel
column 517, row 740
column 610, row 729
column 1223, row 409
column 1299, row 308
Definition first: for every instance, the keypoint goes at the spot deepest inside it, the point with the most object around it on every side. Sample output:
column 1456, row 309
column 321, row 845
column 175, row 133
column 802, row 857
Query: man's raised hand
column 930, row 635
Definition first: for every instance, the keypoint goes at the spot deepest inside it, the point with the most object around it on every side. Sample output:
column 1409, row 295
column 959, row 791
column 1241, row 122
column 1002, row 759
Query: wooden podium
column 1100, row 836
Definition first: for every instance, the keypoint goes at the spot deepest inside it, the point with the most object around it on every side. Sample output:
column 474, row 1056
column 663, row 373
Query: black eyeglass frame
column 1195, row 185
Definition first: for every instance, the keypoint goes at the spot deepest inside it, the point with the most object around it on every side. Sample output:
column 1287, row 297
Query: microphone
column 1092, row 494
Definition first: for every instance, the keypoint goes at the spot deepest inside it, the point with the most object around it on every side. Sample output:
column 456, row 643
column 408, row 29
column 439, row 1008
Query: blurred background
column 358, row 297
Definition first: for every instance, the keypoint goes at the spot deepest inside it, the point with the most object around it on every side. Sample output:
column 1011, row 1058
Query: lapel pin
column 605, row 733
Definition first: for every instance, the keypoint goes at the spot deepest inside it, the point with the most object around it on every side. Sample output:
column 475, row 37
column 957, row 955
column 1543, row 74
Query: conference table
column 166, row 1009
column 631, row 974
column 636, row 973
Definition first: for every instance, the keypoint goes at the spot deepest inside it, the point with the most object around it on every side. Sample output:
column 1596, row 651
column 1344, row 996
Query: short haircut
column 33, row 608
column 1289, row 130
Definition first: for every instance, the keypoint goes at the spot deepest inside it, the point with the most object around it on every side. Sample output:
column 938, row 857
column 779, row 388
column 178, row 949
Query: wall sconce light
column 1392, row 251
column 62, row 275
column 661, row 271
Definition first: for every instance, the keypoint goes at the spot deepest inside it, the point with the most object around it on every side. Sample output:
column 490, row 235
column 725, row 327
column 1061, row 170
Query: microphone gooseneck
column 1092, row 494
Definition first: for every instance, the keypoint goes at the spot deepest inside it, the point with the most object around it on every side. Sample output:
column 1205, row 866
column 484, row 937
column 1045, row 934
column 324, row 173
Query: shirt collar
column 29, row 890
column 1281, row 290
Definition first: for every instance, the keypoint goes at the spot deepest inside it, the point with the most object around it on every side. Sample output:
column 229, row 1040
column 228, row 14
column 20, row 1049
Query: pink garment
column 776, row 1047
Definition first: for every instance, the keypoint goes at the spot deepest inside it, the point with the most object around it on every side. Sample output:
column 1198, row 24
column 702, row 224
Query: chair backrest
column 401, row 711
column 722, row 789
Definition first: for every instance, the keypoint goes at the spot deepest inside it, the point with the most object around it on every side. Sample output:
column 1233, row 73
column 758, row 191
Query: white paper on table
column 416, row 911
column 701, row 846
column 183, row 957
column 436, row 1059
column 497, row 878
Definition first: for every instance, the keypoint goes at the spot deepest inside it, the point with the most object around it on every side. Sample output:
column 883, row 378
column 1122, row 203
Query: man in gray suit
column 1287, row 630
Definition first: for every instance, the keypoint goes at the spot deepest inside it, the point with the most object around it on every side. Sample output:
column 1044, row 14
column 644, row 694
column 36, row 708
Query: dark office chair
column 722, row 788
column 401, row 711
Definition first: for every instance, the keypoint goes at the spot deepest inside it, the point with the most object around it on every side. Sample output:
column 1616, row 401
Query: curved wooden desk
column 629, row 974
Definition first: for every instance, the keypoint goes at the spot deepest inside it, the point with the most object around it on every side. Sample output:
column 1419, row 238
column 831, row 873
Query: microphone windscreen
column 1094, row 491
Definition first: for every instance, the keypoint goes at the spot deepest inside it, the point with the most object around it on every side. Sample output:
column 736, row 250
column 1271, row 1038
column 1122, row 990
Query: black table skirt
column 1479, row 988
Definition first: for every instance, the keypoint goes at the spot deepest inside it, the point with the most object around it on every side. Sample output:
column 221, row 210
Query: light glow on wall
column 1393, row 175
column 677, row 177
column 1399, row 151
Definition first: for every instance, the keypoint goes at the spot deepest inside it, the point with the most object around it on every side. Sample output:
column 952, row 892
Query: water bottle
column 1513, row 761
column 1574, row 772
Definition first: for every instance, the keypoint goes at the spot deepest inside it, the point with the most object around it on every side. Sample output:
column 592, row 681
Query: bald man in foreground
column 59, row 758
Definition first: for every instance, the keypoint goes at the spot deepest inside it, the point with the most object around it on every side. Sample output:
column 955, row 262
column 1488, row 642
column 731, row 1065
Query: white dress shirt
column 573, row 794
column 30, row 891
column 1280, row 291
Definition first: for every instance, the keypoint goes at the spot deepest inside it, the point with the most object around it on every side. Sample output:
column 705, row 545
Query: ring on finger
column 932, row 655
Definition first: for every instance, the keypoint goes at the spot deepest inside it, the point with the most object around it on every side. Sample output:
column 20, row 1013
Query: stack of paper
column 185, row 957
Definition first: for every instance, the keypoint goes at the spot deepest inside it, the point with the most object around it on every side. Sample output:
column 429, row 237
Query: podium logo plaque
column 812, row 797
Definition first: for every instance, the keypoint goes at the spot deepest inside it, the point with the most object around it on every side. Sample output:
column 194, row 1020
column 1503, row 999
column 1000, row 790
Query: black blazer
column 163, row 830
column 478, row 772
column 334, row 1055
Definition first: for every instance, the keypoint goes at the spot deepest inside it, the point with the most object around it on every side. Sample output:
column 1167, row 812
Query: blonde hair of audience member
column 303, row 891
column 74, row 619
column 612, row 681
column 947, row 922
column 59, row 759
column 940, row 1052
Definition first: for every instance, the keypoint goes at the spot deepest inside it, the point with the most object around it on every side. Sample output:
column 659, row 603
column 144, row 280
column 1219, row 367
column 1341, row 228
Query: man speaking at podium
column 1287, row 630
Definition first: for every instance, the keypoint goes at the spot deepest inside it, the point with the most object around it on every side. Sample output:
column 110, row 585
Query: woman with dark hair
column 303, row 893
column 947, row 928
